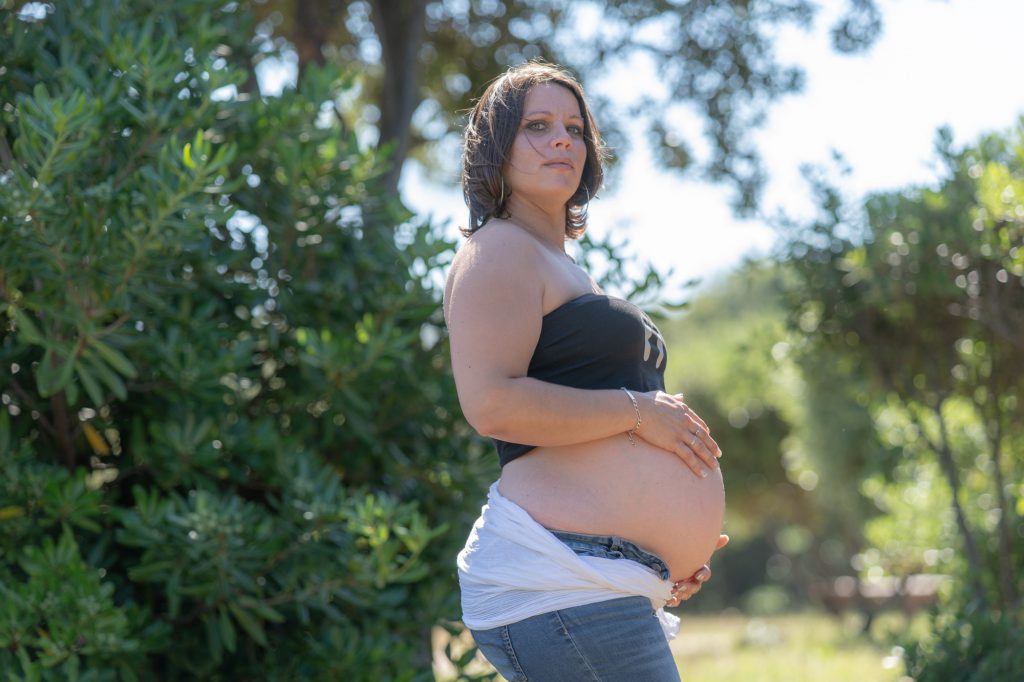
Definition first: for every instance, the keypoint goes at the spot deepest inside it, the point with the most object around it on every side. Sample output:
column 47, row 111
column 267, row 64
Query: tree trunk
column 6, row 157
column 994, row 431
column 62, row 428
column 952, row 478
column 1007, row 589
column 400, row 27
column 313, row 22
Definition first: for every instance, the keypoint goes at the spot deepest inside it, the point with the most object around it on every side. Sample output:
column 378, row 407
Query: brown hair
column 492, row 128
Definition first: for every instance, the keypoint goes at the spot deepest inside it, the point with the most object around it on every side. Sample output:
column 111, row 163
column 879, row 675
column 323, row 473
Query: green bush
column 982, row 646
column 229, row 441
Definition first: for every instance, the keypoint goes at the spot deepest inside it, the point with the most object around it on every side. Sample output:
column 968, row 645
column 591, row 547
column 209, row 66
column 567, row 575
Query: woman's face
column 547, row 157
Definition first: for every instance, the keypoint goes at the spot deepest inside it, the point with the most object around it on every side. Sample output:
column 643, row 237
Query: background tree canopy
column 425, row 60
column 866, row 388
column 920, row 293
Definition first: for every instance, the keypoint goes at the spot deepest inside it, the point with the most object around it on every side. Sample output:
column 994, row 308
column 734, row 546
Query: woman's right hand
column 670, row 424
column 684, row 589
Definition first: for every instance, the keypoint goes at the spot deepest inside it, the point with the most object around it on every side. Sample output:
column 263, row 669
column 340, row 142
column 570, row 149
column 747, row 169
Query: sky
column 938, row 63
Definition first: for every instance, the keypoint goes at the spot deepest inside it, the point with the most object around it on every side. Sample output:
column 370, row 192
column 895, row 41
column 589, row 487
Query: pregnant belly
column 609, row 487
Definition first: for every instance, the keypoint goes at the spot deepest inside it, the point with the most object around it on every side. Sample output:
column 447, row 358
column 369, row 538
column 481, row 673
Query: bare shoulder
column 499, row 256
column 499, row 243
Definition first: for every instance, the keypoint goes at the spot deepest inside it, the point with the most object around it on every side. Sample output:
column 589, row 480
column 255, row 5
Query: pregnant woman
column 610, row 501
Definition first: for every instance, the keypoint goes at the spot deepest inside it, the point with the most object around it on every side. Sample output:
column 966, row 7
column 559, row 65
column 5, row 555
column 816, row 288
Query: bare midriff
column 609, row 487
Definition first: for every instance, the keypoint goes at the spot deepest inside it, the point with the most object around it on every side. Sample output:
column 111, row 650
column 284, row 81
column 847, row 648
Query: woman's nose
column 561, row 137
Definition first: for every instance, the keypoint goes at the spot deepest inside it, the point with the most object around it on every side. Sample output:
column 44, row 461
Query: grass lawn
column 799, row 647
column 796, row 647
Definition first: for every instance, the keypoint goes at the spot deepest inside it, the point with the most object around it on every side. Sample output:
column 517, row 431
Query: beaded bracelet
column 631, row 434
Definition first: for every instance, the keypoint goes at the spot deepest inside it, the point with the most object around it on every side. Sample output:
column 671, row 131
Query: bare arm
column 494, row 305
column 494, row 308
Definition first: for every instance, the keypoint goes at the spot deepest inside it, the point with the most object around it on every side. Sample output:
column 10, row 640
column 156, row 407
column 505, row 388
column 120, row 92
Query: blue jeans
column 618, row 640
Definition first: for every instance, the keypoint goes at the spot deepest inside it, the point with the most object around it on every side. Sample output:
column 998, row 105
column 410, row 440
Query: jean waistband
column 612, row 547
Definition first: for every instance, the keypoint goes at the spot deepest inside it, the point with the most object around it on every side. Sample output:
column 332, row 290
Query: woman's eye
column 541, row 126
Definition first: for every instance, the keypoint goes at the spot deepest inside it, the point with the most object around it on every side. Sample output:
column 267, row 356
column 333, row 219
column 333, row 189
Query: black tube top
column 595, row 341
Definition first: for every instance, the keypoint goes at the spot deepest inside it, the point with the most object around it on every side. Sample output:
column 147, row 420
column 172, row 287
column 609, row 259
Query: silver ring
column 693, row 440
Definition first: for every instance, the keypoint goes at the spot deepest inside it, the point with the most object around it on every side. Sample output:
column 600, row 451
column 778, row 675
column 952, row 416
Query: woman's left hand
column 684, row 589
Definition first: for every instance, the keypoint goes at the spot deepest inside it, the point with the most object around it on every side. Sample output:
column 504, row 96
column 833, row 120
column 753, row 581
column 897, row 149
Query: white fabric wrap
column 513, row 568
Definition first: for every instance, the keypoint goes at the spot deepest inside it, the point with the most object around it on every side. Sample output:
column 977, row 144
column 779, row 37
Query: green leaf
column 6, row 440
column 116, row 358
column 214, row 642
column 252, row 626
column 151, row 572
column 27, row 329
column 28, row 667
column 173, row 592
column 227, row 630
column 265, row 611
column 92, row 388
column 45, row 375
column 106, row 375
column 67, row 370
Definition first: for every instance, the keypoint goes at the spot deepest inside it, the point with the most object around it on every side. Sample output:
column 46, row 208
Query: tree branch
column 6, row 157
column 400, row 27
column 62, row 428
column 1007, row 588
column 952, row 478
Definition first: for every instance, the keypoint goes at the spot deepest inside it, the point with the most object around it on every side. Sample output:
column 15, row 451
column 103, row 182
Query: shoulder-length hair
column 492, row 128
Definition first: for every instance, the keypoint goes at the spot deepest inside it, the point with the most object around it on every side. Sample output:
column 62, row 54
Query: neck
column 547, row 225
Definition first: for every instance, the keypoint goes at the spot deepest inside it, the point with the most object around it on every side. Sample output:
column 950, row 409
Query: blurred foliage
column 721, row 359
column 879, row 433
column 624, row 273
column 915, row 531
column 922, row 293
column 230, row 444
column 795, row 437
column 975, row 647
column 715, row 61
